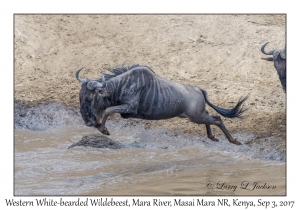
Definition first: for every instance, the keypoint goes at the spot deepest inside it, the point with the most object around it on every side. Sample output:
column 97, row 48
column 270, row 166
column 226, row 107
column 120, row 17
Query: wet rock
column 97, row 141
column 40, row 118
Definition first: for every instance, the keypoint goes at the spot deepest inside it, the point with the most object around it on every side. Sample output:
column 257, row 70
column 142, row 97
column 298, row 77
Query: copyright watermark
column 210, row 185
column 244, row 185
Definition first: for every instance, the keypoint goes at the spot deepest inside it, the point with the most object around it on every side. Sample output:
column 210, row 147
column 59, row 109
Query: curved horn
column 79, row 79
column 92, row 85
column 264, row 52
column 283, row 53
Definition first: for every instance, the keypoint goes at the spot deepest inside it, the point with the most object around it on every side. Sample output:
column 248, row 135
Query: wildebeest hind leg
column 216, row 120
column 208, row 120
column 209, row 133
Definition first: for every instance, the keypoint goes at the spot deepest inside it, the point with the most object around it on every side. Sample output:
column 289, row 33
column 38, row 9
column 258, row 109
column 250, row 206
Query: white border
column 8, row 8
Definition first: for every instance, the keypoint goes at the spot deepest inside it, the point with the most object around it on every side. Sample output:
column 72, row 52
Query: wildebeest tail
column 236, row 111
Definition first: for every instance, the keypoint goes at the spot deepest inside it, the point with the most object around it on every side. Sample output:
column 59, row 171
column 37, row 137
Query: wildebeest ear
column 283, row 53
column 103, row 83
column 275, row 54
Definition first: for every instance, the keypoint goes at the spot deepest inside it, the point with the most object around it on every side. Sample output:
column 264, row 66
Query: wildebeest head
column 91, row 92
column 279, row 58
column 275, row 53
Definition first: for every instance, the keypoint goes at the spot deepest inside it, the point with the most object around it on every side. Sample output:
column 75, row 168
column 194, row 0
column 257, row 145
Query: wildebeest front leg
column 124, row 108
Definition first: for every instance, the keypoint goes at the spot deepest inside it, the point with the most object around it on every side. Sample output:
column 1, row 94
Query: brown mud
column 219, row 53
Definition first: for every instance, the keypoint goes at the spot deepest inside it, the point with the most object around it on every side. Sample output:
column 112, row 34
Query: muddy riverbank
column 54, row 115
column 151, row 161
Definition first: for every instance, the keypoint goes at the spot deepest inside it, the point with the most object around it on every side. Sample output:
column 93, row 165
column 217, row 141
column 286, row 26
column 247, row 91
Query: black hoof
column 103, row 131
column 236, row 142
column 214, row 139
column 106, row 132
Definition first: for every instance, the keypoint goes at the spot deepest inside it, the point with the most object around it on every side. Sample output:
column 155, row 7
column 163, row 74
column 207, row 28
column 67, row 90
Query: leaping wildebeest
column 279, row 58
column 137, row 92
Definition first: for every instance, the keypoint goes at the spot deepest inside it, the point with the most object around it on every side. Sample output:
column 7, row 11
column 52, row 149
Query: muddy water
column 152, row 163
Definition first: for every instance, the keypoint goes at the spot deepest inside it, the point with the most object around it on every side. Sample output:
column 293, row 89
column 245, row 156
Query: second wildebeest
column 279, row 58
column 137, row 92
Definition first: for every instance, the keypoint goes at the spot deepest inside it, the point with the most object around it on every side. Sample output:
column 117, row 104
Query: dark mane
column 118, row 70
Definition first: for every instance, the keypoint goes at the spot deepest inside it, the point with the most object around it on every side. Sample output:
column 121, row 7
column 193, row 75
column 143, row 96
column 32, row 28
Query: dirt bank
column 220, row 53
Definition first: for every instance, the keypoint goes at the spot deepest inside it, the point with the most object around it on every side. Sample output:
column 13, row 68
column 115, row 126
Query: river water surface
column 152, row 163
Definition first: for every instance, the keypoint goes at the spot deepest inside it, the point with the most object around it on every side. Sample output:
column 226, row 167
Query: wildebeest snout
column 89, row 124
column 91, row 121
